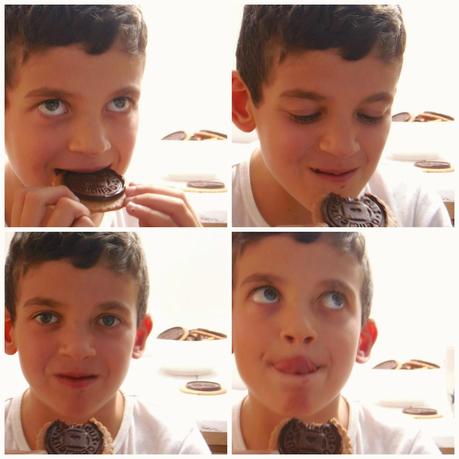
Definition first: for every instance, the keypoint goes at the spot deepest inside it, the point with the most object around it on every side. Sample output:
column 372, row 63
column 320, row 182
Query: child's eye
column 120, row 104
column 52, row 107
column 108, row 321
column 46, row 318
column 369, row 119
column 305, row 119
column 333, row 300
column 265, row 295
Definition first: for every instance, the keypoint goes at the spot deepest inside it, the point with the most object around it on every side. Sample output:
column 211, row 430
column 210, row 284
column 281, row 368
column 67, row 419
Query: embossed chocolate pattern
column 61, row 438
column 296, row 437
column 98, row 186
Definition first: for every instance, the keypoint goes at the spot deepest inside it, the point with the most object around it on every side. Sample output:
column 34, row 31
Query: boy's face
column 70, row 110
column 323, row 122
column 296, row 324
column 75, row 331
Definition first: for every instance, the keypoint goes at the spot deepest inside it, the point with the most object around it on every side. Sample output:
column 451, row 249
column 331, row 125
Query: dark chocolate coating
column 296, row 437
column 208, row 184
column 419, row 411
column 203, row 386
column 364, row 212
column 61, row 438
column 102, row 185
column 424, row 164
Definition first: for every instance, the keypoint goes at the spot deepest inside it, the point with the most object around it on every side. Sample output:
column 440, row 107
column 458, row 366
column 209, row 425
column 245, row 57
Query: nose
column 298, row 327
column 339, row 137
column 89, row 135
column 77, row 343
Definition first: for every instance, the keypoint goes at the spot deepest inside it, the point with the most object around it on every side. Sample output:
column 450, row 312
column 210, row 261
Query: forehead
column 327, row 73
column 61, row 281
column 71, row 68
column 297, row 262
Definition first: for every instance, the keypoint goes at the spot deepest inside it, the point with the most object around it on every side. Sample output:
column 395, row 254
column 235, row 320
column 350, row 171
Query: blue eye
column 46, row 318
column 52, row 107
column 334, row 300
column 265, row 295
column 120, row 104
column 108, row 321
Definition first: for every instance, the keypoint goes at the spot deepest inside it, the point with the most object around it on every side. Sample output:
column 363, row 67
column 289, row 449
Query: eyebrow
column 50, row 303
column 47, row 91
column 315, row 96
column 42, row 301
column 262, row 277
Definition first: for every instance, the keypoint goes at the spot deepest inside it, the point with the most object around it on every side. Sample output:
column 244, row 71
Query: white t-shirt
column 143, row 430
column 119, row 219
column 411, row 203
column 370, row 433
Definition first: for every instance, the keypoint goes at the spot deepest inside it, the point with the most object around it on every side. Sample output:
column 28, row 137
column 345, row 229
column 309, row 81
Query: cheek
column 373, row 141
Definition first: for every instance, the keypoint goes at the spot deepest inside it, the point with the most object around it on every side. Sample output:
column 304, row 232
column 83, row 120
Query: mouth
column 334, row 174
column 295, row 366
column 76, row 380
column 82, row 170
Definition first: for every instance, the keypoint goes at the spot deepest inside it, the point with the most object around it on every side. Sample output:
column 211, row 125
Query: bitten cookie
column 295, row 437
column 92, row 437
column 364, row 212
column 100, row 191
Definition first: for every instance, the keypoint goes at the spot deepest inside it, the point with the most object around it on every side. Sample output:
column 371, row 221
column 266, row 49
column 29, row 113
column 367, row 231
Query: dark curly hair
column 120, row 251
column 30, row 28
column 270, row 32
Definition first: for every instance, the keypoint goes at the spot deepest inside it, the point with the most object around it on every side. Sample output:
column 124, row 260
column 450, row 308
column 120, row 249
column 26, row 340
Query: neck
column 280, row 209
column 35, row 414
column 258, row 422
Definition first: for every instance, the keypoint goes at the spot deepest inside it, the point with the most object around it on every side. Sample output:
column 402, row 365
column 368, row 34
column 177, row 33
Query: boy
column 76, row 313
column 301, row 306
column 317, row 82
column 73, row 76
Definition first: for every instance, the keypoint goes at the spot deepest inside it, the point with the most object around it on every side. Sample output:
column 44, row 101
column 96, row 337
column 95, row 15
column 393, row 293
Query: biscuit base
column 346, row 445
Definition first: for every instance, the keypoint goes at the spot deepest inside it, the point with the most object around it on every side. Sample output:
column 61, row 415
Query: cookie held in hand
column 99, row 191
column 295, row 437
column 92, row 437
column 368, row 211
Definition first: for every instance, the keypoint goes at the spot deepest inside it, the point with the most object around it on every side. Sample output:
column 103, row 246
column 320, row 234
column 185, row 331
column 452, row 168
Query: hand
column 48, row 206
column 159, row 206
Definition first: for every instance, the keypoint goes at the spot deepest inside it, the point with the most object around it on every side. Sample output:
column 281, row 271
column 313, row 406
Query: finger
column 30, row 204
column 83, row 221
column 66, row 212
column 177, row 208
column 148, row 217
column 135, row 190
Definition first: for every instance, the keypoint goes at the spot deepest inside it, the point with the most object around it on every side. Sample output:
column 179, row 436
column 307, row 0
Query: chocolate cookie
column 366, row 211
column 203, row 388
column 434, row 166
column 174, row 333
column 296, row 437
column 387, row 365
column 61, row 438
column 100, row 191
column 420, row 411
column 203, row 134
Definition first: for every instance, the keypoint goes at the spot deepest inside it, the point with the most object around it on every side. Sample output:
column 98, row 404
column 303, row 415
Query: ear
column 368, row 336
column 143, row 330
column 241, row 110
column 10, row 344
